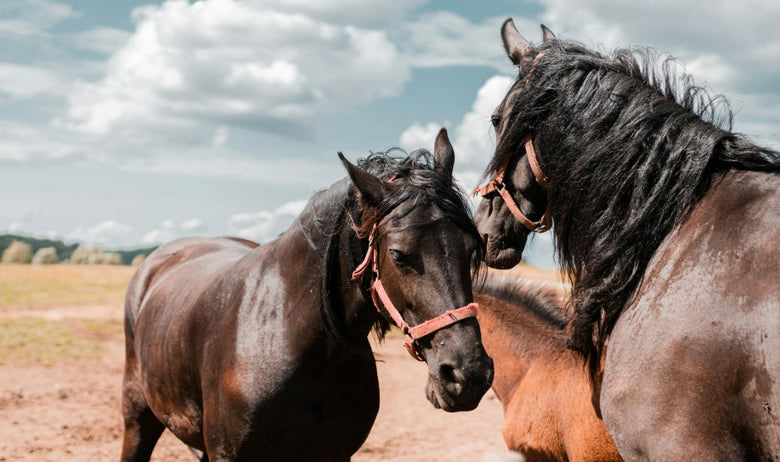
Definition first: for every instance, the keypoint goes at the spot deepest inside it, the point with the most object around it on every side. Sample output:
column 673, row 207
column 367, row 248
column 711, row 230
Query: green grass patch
column 38, row 341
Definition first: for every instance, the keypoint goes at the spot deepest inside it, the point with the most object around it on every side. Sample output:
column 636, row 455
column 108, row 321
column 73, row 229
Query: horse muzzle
column 460, row 371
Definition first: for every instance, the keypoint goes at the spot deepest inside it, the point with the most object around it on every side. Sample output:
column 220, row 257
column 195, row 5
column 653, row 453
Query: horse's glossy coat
column 259, row 353
column 670, row 226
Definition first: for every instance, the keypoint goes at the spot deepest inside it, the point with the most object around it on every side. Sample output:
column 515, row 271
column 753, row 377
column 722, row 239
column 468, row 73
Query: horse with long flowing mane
column 668, row 223
column 260, row 353
column 548, row 416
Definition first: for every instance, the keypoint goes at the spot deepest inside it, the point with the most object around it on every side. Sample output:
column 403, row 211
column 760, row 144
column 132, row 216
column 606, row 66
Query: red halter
column 411, row 334
column 497, row 184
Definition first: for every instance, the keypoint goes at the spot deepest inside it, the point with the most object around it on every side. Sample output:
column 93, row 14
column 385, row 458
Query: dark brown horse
column 548, row 415
column 669, row 224
column 254, row 353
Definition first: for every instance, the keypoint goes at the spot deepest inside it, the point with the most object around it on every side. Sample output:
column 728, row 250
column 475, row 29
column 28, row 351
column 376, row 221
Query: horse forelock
column 421, row 184
column 629, row 148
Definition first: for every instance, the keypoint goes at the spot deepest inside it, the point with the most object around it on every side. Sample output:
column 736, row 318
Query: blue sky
column 132, row 123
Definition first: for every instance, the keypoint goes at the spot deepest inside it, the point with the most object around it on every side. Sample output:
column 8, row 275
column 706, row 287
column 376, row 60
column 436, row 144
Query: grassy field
column 62, row 284
column 28, row 337
column 46, row 288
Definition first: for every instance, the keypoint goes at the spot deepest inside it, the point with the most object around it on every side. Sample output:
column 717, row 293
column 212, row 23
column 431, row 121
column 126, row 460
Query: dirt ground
column 71, row 410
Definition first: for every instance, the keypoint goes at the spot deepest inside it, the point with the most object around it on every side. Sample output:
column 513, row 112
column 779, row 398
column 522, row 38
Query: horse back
column 169, row 257
column 697, row 353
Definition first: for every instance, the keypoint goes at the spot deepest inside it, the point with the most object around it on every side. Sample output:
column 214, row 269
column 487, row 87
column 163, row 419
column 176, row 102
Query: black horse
column 256, row 353
column 669, row 224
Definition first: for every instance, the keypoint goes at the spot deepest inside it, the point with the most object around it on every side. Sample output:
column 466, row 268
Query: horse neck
column 324, row 231
column 516, row 339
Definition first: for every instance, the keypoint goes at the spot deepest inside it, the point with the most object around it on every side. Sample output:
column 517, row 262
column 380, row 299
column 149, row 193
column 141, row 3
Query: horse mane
column 420, row 183
column 542, row 299
column 629, row 148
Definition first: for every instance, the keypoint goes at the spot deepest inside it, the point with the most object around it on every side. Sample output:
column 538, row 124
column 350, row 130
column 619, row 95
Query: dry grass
column 29, row 337
column 62, row 284
column 38, row 341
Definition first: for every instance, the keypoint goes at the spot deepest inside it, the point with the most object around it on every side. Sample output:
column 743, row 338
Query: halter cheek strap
column 411, row 334
column 497, row 184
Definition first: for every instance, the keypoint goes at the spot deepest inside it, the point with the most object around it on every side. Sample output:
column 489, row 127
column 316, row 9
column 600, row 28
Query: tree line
column 25, row 249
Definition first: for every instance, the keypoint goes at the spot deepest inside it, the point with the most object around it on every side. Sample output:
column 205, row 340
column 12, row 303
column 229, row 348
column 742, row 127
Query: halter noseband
column 497, row 184
column 378, row 292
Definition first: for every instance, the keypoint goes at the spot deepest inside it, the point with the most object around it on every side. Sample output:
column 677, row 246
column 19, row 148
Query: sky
column 131, row 123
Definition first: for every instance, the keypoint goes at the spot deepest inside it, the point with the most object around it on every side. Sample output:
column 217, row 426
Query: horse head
column 514, row 201
column 422, row 250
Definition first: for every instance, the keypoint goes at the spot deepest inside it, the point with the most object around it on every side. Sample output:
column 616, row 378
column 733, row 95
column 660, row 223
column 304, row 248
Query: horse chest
column 330, row 404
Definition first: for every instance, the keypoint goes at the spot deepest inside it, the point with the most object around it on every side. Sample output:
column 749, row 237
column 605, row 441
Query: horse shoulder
column 532, row 414
column 688, row 354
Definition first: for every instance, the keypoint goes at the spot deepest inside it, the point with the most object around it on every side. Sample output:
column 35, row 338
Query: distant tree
column 45, row 256
column 84, row 255
column 63, row 250
column 128, row 256
column 17, row 252
column 110, row 258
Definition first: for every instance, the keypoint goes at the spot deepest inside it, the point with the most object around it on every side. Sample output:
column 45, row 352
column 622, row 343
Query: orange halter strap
column 497, row 184
column 378, row 293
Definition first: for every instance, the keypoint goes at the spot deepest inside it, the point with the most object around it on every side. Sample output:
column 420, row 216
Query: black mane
column 629, row 148
column 337, row 210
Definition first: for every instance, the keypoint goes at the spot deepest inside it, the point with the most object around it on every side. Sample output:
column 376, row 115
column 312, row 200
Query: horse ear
column 443, row 154
column 371, row 189
column 514, row 43
column 547, row 34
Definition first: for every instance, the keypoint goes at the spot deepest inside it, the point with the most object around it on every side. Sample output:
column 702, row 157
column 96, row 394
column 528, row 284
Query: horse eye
column 399, row 258
column 495, row 120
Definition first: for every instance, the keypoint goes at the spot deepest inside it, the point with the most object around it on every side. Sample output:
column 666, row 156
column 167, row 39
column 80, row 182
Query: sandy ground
column 71, row 410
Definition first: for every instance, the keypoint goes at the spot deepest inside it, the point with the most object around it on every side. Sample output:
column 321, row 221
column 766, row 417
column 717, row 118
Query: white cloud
column 354, row 12
column 25, row 18
column 263, row 226
column 420, row 136
column 107, row 233
column 220, row 137
column 19, row 81
column 233, row 63
column 104, row 40
column 168, row 231
column 293, row 208
column 157, row 236
column 473, row 138
column 191, row 225
column 444, row 38
column 22, row 142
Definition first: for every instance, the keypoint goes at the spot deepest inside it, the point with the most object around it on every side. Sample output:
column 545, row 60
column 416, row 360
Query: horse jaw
column 504, row 243
column 502, row 258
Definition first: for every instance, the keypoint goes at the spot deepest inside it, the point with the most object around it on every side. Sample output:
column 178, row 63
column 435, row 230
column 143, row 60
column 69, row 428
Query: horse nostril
column 452, row 379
